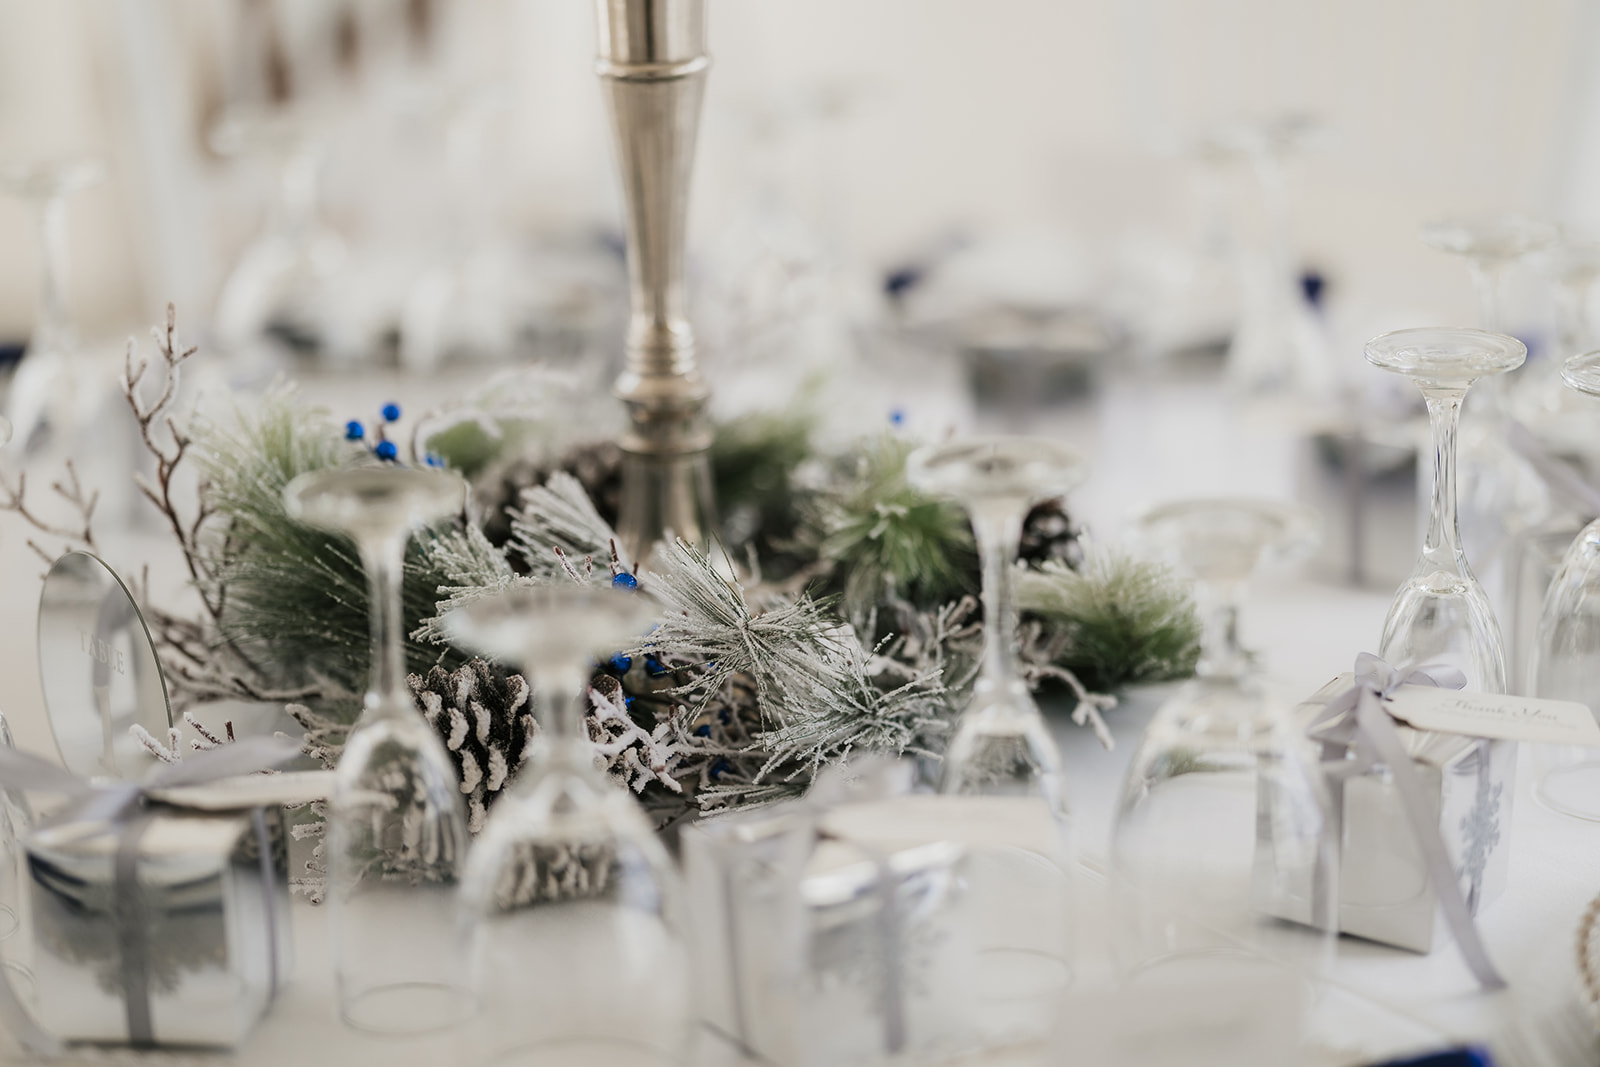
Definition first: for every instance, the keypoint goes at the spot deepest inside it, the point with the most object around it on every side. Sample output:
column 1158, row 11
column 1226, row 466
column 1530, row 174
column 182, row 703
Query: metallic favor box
column 798, row 959
column 170, row 928
column 1384, row 891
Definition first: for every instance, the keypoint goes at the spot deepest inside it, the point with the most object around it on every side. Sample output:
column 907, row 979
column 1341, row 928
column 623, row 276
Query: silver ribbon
column 1355, row 727
column 123, row 804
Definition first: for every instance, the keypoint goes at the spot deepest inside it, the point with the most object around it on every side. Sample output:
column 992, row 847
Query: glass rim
column 1445, row 353
column 1495, row 236
column 1298, row 523
column 1071, row 461
column 473, row 624
column 1582, row 373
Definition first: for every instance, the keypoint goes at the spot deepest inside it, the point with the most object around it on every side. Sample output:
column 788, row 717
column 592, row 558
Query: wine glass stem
column 565, row 689
column 998, row 530
column 384, row 559
column 52, row 327
column 1488, row 283
column 1442, row 546
column 1221, row 656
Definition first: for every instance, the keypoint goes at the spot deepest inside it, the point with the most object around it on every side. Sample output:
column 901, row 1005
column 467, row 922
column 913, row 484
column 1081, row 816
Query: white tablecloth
column 1146, row 445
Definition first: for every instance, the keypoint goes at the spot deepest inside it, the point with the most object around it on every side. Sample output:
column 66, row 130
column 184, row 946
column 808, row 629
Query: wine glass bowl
column 1567, row 645
column 568, row 867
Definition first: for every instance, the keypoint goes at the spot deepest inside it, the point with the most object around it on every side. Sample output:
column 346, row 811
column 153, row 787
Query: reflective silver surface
column 99, row 670
column 211, row 922
column 797, row 937
column 652, row 66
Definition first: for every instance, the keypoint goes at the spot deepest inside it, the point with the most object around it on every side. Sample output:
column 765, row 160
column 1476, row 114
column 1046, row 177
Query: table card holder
column 99, row 671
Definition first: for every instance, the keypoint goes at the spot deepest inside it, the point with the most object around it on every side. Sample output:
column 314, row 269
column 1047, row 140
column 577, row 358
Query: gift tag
column 1495, row 715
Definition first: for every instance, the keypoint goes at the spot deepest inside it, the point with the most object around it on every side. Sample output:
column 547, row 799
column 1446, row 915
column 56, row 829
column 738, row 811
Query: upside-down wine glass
column 1441, row 614
column 397, row 830
column 1500, row 494
column 1566, row 652
column 1002, row 759
column 47, row 394
column 1222, row 828
column 570, row 904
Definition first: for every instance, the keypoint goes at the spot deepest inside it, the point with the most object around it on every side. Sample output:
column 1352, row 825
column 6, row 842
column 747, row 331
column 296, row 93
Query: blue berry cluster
column 381, row 446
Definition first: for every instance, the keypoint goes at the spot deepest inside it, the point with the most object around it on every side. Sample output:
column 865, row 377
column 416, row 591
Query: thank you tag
column 1494, row 715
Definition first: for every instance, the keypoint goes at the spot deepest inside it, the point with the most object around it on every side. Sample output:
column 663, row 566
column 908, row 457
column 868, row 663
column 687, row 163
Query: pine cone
column 485, row 718
column 597, row 466
column 1049, row 533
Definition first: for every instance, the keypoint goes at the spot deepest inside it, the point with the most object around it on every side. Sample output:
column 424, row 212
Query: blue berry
column 354, row 431
column 627, row 703
column 391, row 413
column 432, row 459
column 719, row 768
column 897, row 417
column 653, row 667
column 386, row 450
column 621, row 663
column 703, row 730
column 624, row 580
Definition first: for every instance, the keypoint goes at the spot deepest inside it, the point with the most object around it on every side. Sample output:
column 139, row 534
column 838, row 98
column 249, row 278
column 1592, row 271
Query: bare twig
column 168, row 449
column 14, row 497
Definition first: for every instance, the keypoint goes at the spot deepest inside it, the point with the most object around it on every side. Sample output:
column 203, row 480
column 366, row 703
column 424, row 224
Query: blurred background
column 1043, row 147
column 958, row 214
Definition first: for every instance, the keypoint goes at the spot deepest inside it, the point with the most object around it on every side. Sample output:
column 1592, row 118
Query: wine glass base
column 1572, row 790
column 584, row 1052
column 9, row 922
column 407, row 1008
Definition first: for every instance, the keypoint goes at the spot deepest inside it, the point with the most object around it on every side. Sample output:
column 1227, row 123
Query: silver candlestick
column 653, row 66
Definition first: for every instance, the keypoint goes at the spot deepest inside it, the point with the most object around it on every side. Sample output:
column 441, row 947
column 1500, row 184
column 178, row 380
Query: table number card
column 1496, row 715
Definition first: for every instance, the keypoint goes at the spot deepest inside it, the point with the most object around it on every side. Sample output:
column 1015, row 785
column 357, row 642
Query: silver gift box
column 191, row 956
column 796, row 956
column 1384, row 891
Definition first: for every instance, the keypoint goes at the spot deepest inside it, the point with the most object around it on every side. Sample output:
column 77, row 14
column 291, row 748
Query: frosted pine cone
column 485, row 719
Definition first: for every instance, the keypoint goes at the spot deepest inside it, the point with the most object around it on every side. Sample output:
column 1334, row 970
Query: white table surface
column 1147, row 443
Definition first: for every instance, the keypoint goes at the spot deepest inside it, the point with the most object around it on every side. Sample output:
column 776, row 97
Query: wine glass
column 1441, row 614
column 1277, row 347
column 397, row 829
column 1500, row 494
column 1566, row 652
column 570, row 903
column 1491, row 245
column 1222, row 825
column 47, row 393
column 1002, row 759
